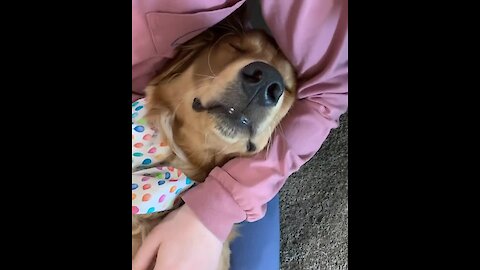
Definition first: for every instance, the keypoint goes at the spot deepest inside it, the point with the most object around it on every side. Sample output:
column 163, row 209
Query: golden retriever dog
column 220, row 97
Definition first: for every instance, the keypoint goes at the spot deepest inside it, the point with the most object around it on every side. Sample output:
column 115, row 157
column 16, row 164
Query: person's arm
column 313, row 35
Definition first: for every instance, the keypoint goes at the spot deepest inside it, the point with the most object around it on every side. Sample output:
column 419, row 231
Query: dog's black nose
column 262, row 83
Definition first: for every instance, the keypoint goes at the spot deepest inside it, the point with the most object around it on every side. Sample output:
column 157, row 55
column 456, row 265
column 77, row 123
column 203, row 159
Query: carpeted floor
column 314, row 209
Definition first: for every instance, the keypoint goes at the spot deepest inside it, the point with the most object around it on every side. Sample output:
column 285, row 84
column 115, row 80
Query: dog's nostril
column 262, row 82
column 257, row 75
column 254, row 77
column 274, row 91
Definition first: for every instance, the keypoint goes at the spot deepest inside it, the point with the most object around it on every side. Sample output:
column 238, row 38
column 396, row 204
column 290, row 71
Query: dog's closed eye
column 237, row 47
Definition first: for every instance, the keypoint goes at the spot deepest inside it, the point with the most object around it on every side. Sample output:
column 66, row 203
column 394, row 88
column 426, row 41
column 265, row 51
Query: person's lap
column 258, row 246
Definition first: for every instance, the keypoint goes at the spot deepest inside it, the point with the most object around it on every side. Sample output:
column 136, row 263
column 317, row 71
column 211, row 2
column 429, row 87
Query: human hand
column 180, row 242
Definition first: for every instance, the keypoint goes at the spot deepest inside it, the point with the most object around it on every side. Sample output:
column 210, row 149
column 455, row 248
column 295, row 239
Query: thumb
column 147, row 252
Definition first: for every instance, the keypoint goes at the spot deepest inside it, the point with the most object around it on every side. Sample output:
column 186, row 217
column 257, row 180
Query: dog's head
column 225, row 94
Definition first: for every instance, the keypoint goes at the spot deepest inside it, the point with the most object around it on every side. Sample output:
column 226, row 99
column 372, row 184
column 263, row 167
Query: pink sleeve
column 313, row 35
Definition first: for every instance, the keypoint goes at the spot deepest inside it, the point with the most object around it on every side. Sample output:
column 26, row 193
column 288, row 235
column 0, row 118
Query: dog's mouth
column 230, row 121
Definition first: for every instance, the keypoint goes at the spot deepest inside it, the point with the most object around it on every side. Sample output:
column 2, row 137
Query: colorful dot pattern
column 154, row 188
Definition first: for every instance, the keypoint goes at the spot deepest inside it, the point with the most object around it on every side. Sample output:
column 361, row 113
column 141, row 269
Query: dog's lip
column 197, row 105
column 211, row 108
column 216, row 107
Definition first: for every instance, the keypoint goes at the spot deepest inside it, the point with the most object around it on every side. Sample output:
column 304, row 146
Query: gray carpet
column 314, row 208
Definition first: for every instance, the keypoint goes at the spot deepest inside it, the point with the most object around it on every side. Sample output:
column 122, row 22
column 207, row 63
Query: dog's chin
column 231, row 133
column 231, row 128
column 228, row 122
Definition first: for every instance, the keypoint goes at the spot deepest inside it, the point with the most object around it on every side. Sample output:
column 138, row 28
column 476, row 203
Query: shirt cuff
column 214, row 205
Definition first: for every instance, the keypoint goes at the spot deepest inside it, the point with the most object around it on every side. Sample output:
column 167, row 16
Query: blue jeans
column 258, row 246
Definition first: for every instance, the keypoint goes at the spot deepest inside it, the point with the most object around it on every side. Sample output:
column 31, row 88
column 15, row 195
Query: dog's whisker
column 240, row 24
column 201, row 86
column 228, row 28
column 270, row 139
column 222, row 151
column 204, row 75
column 281, row 128
column 238, row 27
column 173, row 76
column 210, row 51
column 201, row 81
column 208, row 61
column 176, row 108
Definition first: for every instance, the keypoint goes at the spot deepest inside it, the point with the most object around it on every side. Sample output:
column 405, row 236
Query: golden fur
column 203, row 68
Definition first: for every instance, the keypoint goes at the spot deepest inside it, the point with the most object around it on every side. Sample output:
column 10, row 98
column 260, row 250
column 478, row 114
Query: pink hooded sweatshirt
column 313, row 34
